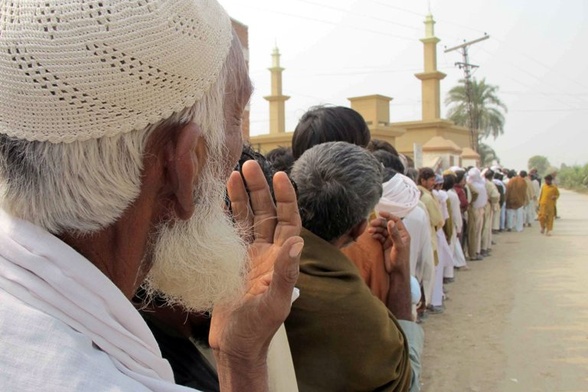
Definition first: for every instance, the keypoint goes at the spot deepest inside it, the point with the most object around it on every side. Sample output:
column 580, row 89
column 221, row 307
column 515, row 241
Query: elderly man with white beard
column 119, row 126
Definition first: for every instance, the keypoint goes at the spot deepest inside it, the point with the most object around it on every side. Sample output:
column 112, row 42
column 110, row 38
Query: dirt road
column 518, row 320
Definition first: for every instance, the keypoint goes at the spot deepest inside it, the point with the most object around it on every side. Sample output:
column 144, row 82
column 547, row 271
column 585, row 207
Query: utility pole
column 467, row 68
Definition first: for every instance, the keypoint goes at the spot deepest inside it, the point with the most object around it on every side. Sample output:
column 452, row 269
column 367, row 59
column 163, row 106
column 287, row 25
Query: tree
column 487, row 154
column 540, row 163
column 487, row 109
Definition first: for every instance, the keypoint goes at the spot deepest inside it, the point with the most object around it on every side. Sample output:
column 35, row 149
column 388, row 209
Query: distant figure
column 477, row 185
column 516, row 199
column 500, row 218
column 529, row 209
column 549, row 195
column 491, row 207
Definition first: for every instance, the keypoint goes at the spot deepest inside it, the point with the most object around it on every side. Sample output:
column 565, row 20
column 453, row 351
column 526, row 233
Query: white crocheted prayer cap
column 77, row 70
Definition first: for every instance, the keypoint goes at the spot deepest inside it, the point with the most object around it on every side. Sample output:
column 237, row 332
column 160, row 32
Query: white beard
column 202, row 261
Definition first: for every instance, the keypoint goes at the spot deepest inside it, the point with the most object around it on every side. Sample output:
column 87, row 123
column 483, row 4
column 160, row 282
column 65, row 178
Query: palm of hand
column 244, row 328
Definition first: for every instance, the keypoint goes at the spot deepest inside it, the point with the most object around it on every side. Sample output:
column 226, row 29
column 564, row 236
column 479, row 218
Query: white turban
column 399, row 197
column 479, row 184
column 78, row 70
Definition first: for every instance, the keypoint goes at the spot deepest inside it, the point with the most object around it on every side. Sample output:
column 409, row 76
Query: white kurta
column 454, row 244
column 64, row 326
column 422, row 263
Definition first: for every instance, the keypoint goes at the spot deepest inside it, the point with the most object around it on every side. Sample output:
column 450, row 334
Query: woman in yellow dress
column 549, row 194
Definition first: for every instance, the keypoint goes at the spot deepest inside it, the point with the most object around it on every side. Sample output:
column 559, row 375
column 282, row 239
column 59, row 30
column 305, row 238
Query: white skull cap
column 77, row 70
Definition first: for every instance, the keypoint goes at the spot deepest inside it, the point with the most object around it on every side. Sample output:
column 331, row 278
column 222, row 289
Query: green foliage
column 574, row 177
column 487, row 154
column 488, row 118
column 539, row 162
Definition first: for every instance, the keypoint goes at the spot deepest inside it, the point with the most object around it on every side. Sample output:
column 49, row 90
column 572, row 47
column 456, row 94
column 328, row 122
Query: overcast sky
column 336, row 49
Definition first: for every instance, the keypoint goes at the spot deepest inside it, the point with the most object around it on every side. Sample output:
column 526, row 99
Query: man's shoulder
column 328, row 276
column 41, row 352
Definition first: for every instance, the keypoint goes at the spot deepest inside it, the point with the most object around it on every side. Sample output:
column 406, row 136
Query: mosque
column 431, row 141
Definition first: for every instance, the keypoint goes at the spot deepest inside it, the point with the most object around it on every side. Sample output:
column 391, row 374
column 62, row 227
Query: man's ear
column 358, row 229
column 185, row 156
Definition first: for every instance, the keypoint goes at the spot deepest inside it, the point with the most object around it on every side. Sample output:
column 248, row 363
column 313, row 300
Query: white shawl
column 45, row 282
column 400, row 196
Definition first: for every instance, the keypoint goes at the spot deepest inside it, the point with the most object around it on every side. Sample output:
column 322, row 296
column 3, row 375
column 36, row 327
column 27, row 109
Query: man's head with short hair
column 118, row 136
column 460, row 177
column 413, row 174
column 338, row 186
column 449, row 180
column 379, row 144
column 389, row 160
column 426, row 178
column 489, row 174
column 523, row 173
column 281, row 158
column 322, row 124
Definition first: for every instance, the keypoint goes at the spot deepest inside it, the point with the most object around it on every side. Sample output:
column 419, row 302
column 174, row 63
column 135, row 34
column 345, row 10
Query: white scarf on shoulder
column 42, row 271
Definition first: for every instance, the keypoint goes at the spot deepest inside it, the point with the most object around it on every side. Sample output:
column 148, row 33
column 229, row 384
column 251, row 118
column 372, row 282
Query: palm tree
column 487, row 109
column 487, row 154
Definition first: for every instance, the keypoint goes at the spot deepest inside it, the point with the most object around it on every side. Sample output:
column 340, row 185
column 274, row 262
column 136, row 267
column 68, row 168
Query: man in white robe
column 401, row 198
column 450, row 179
column 114, row 157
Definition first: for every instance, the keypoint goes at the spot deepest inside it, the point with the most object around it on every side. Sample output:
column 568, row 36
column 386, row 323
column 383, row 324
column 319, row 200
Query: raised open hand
column 241, row 332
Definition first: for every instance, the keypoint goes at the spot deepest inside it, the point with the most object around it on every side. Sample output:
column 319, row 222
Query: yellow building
column 277, row 108
column 434, row 135
column 435, row 140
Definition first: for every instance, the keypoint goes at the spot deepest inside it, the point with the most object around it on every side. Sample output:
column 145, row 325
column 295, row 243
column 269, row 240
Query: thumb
column 393, row 231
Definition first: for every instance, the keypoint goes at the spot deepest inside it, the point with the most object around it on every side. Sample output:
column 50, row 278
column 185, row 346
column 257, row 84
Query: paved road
column 518, row 320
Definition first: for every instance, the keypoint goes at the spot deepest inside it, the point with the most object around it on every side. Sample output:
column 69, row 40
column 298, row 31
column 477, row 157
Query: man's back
column 342, row 337
column 516, row 193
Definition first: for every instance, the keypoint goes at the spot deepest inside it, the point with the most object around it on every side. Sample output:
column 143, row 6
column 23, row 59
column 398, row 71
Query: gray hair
column 338, row 184
column 85, row 186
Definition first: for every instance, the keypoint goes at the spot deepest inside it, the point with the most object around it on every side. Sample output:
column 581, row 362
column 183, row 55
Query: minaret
column 277, row 99
column 431, row 77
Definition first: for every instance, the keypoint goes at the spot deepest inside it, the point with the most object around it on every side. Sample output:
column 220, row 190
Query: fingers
column 289, row 223
column 285, row 275
column 262, row 205
column 252, row 204
column 239, row 200
column 386, row 215
column 398, row 233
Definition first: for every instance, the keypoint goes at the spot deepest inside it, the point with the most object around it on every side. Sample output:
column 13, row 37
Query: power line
column 397, row 8
column 359, row 14
column 538, row 79
column 330, row 23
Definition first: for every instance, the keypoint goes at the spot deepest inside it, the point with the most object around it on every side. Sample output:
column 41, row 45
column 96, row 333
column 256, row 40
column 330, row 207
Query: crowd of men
column 143, row 247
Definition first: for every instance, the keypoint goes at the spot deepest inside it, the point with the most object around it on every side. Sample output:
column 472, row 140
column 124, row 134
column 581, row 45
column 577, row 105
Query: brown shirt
column 368, row 256
column 342, row 337
column 516, row 193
